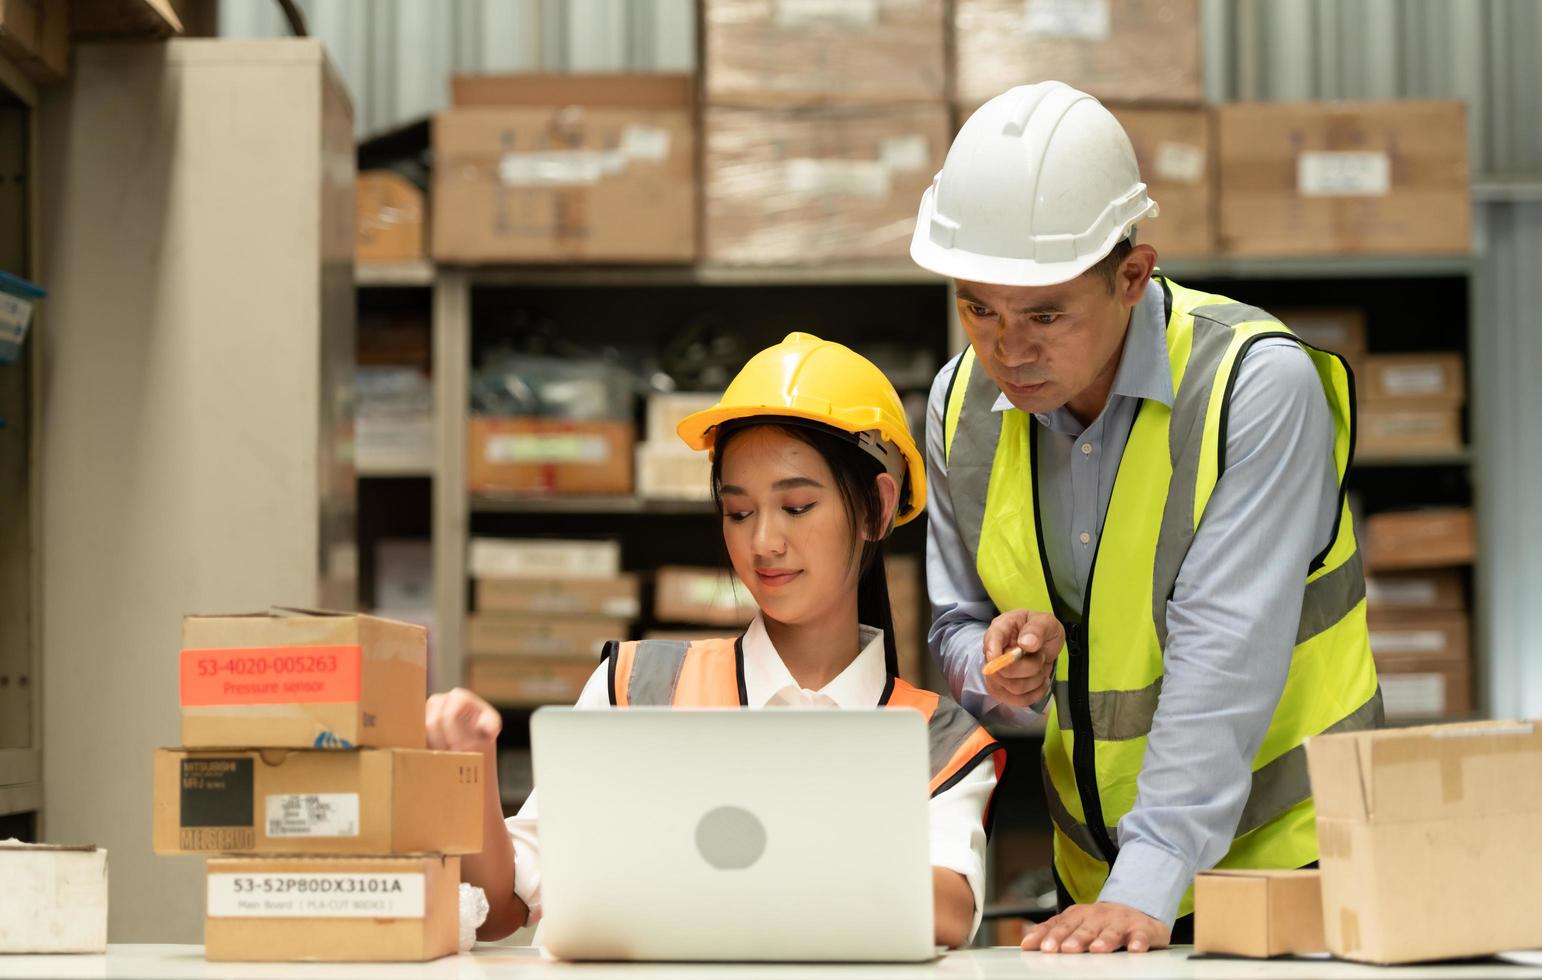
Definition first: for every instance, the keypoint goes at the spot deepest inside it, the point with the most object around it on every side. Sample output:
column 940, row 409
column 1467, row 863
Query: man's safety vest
column 1109, row 675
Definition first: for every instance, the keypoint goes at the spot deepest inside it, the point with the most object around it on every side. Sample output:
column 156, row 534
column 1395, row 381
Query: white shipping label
column 559, row 168
column 313, row 815
column 1402, row 592
column 1082, row 20
column 1354, row 173
column 855, row 13
column 317, row 895
column 1424, row 379
column 1408, row 424
column 1408, row 641
column 1179, row 163
column 648, row 143
column 1413, row 695
column 547, row 448
column 904, row 153
column 838, row 178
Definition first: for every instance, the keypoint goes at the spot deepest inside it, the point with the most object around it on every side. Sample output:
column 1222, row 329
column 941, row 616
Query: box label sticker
column 316, row 895
column 271, row 675
column 1408, row 641
column 1413, row 695
column 649, row 143
column 559, row 168
column 1406, row 592
column 852, row 13
column 1423, row 379
column 216, row 804
column 807, row 177
column 1080, row 20
column 1179, row 163
column 1352, row 173
column 313, row 814
column 547, row 448
column 904, row 154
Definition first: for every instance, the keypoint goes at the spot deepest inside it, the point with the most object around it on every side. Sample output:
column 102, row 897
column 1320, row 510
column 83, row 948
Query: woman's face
column 786, row 527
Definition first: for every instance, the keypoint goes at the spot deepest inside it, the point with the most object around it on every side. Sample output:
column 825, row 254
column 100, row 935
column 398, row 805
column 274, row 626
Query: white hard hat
column 1040, row 184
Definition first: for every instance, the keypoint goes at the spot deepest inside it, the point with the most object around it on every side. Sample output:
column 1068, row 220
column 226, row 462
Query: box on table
column 797, row 185
column 551, row 168
column 524, row 681
column 710, row 596
column 1438, row 590
column 1418, row 379
column 1425, row 688
column 844, row 52
column 54, row 899
column 390, row 218
column 1340, row 330
column 1133, row 50
column 551, row 456
column 1258, row 913
column 1428, row 840
column 1331, row 178
column 334, row 909
column 499, row 634
column 1175, row 149
column 267, row 801
column 673, row 472
column 612, row 598
column 1434, row 537
column 294, row 679
column 551, row 558
column 665, row 411
column 1391, row 428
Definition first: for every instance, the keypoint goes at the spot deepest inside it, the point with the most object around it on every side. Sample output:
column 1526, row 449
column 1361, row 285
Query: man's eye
column 979, row 311
column 1045, row 318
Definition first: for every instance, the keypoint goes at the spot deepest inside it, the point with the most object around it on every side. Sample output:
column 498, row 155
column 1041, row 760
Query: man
column 1138, row 499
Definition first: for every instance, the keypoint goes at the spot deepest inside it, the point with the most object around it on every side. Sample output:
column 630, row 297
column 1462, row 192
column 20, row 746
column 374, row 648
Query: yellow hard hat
column 817, row 380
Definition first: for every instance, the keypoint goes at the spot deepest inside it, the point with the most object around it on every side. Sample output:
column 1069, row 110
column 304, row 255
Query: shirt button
column 1086, row 449
column 1086, row 538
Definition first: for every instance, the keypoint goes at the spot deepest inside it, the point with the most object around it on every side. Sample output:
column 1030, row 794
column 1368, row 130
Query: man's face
column 1046, row 345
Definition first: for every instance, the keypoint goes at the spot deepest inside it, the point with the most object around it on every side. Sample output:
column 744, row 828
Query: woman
column 812, row 467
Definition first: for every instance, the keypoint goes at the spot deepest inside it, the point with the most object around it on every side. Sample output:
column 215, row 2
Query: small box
column 546, row 558
column 845, row 52
column 1424, row 688
column 1432, row 591
column 293, row 679
column 553, row 168
column 1454, row 808
column 709, row 596
column 54, row 899
column 530, row 681
column 273, row 801
column 1393, row 428
column 390, row 218
column 1436, row 537
column 1175, row 149
column 332, row 909
column 667, row 472
column 1342, row 178
column 612, row 598
column 667, row 411
column 1341, row 331
column 549, row 456
column 1258, row 913
column 1132, row 50
column 515, row 635
column 1418, row 379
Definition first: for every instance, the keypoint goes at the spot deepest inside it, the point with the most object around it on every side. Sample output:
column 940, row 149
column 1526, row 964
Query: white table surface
column 139, row 962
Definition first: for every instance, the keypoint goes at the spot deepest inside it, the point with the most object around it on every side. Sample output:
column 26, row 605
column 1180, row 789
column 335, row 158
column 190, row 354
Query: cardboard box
column 35, row 34
column 1132, row 50
column 1435, row 537
column 515, row 635
column 1424, row 688
column 390, row 216
column 666, row 472
column 798, row 185
column 547, row 558
column 1408, row 815
column 375, row 909
column 1258, row 913
column 529, row 681
column 553, row 168
column 266, row 801
column 1341, row 331
column 1175, row 149
column 1392, row 429
column 291, row 679
column 1432, row 591
column 54, row 899
column 844, row 52
column 1340, row 178
column 709, row 596
column 549, row 456
column 666, row 411
column 1420, row 380
column 613, row 598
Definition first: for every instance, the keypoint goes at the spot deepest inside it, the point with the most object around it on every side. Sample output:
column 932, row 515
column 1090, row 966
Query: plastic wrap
column 841, row 50
column 805, row 184
column 473, row 912
column 1127, row 50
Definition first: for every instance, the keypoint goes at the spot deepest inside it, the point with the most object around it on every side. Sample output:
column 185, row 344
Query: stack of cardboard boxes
column 1411, row 403
column 544, row 611
column 331, row 832
column 668, row 469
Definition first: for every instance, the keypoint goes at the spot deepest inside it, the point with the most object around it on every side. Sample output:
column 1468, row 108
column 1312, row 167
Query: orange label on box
column 271, row 675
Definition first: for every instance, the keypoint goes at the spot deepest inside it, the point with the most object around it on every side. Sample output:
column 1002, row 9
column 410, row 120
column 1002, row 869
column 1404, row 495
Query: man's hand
column 1026, row 681
column 461, row 722
column 1100, row 928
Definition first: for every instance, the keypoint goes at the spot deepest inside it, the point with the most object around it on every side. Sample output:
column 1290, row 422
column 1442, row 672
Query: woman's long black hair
column 856, row 476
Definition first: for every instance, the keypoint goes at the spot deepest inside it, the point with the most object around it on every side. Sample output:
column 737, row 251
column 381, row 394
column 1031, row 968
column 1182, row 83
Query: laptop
column 731, row 835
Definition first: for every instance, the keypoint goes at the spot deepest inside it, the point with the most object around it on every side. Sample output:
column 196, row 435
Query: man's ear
column 1134, row 272
column 888, row 499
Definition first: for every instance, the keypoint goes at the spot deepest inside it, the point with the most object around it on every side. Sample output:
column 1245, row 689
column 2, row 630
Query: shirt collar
column 860, row 685
column 1144, row 368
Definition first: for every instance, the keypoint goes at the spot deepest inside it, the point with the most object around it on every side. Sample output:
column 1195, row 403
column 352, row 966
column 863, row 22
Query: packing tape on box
column 1349, row 930
column 1334, row 839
